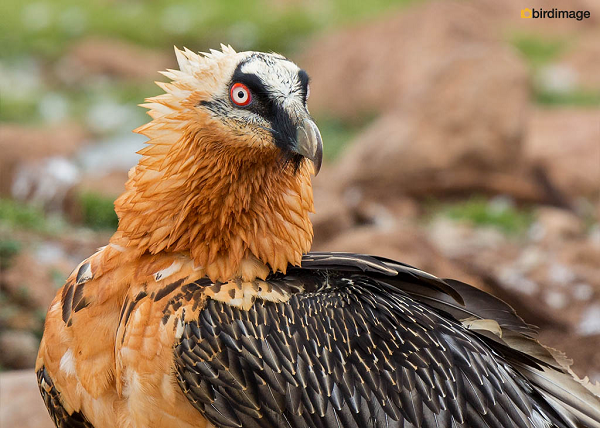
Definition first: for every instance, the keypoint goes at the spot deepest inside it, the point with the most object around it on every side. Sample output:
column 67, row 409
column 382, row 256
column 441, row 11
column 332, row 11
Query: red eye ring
column 240, row 94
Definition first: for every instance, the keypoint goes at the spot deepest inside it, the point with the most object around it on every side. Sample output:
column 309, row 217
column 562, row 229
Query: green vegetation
column 336, row 133
column 37, row 34
column 17, row 109
column 16, row 215
column 46, row 28
column 8, row 309
column 78, row 98
column 58, row 278
column 9, row 248
column 539, row 50
column 39, row 316
column 98, row 211
column 577, row 97
column 480, row 211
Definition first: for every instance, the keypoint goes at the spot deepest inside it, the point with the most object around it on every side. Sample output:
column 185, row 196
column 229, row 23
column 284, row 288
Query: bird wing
column 367, row 342
column 60, row 416
column 75, row 356
column 105, row 357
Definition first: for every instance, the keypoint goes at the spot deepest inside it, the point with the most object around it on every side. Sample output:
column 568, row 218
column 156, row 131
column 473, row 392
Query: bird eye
column 240, row 94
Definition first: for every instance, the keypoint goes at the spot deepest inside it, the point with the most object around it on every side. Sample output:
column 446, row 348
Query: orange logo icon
column 526, row 13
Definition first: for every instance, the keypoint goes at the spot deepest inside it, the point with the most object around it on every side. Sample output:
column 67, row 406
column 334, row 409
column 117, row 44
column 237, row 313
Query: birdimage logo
column 554, row 13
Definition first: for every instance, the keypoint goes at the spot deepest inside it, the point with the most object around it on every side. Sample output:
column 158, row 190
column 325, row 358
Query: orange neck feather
column 210, row 192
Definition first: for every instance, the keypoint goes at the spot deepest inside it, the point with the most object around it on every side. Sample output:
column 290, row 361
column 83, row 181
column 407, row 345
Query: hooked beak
column 310, row 144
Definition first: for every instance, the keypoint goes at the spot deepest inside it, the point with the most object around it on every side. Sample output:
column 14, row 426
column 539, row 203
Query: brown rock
column 20, row 318
column 585, row 356
column 552, row 283
column 382, row 212
column 566, row 144
column 110, row 185
column 584, row 60
column 457, row 240
column 28, row 282
column 117, row 58
column 375, row 67
column 20, row 402
column 332, row 215
column 582, row 252
column 446, row 140
column 21, row 145
column 19, row 349
column 453, row 99
column 558, row 224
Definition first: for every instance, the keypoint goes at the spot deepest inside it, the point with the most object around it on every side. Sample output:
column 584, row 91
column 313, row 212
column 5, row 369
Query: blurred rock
column 332, row 216
column 104, row 167
column 118, row 153
column 460, row 240
column 557, row 78
column 356, row 71
column 28, row 281
column 552, row 281
column 566, row 288
column 590, row 321
column 115, row 58
column 20, row 318
column 558, row 224
column 45, row 182
column 584, row 60
column 453, row 99
column 109, row 185
column 22, row 406
column 565, row 142
column 21, row 146
column 382, row 213
column 107, row 115
column 446, row 142
column 582, row 350
column 19, row 349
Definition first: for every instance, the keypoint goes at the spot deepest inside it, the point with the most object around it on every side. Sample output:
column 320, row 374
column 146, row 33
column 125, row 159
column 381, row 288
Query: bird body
column 206, row 309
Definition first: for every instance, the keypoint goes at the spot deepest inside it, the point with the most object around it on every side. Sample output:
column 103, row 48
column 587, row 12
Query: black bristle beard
column 290, row 159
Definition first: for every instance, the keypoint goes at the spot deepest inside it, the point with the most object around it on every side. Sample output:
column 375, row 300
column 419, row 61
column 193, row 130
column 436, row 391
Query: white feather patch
column 162, row 274
column 67, row 363
column 117, row 247
column 179, row 329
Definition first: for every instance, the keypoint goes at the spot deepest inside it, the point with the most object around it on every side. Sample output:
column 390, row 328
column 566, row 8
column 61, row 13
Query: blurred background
column 459, row 138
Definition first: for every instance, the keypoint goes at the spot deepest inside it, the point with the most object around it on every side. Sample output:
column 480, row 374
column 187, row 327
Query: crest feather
column 182, row 61
column 227, row 49
column 197, row 72
column 190, row 62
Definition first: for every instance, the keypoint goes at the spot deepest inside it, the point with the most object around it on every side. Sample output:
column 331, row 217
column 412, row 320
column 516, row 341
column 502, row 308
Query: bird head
column 254, row 100
column 225, row 176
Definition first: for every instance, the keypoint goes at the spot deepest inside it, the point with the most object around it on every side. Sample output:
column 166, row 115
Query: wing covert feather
column 353, row 350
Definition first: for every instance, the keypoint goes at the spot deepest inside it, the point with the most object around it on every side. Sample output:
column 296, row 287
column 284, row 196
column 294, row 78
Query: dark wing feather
column 364, row 347
column 375, row 266
column 60, row 417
